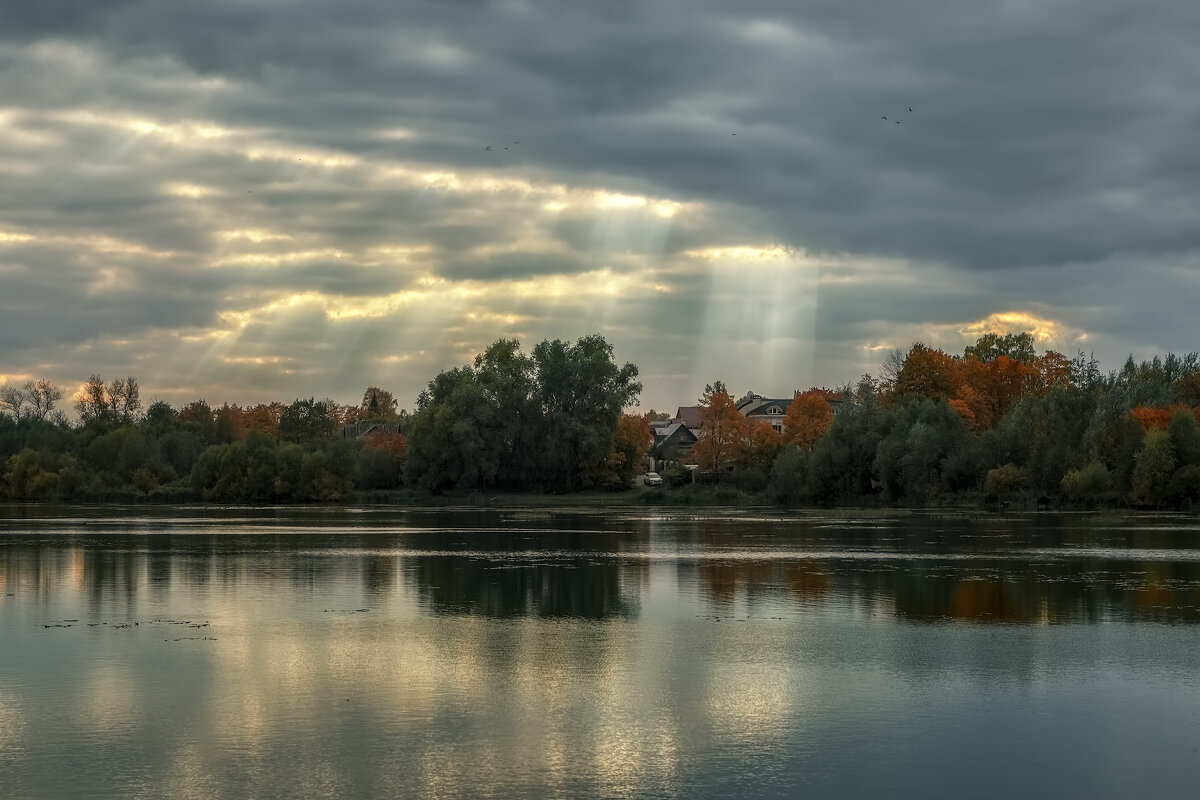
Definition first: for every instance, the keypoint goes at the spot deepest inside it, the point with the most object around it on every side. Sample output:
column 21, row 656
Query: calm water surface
column 228, row 653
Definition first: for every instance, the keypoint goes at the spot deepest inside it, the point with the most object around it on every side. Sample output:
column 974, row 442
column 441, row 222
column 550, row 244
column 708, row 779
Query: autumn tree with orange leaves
column 761, row 445
column 631, row 443
column 927, row 372
column 808, row 417
column 986, row 382
column 723, row 433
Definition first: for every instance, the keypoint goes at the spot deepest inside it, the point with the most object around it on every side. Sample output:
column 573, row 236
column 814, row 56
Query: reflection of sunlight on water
column 109, row 703
column 241, row 705
column 12, row 729
column 634, row 755
column 750, row 701
column 412, row 700
column 189, row 775
column 633, row 751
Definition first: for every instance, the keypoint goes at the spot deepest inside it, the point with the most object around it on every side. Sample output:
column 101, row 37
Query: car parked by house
column 652, row 479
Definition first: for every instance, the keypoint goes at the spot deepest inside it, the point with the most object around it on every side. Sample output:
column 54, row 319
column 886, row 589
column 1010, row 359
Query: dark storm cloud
column 1028, row 117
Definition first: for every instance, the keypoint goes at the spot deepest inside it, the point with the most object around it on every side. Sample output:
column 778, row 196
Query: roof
column 357, row 430
column 689, row 415
column 677, row 433
column 758, row 406
column 674, row 428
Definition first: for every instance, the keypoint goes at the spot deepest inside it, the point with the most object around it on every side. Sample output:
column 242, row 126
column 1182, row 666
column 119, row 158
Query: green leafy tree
column 516, row 421
column 1113, row 435
column 580, row 392
column 197, row 416
column 842, row 466
column 990, row 346
column 1004, row 480
column 1186, row 389
column 1184, row 487
column 789, row 475
column 1154, row 466
column 919, row 444
column 1184, row 435
column 227, row 424
column 444, row 449
column 1091, row 483
column 476, row 427
column 306, row 422
column 378, row 406
column 116, row 453
column 1043, row 435
column 509, row 420
column 31, row 475
column 289, row 473
column 160, row 419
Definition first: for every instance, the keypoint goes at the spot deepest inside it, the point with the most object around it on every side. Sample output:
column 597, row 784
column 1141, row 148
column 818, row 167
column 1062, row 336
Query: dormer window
column 774, row 410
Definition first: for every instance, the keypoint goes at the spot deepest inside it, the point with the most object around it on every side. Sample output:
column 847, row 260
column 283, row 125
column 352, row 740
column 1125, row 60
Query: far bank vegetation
column 998, row 425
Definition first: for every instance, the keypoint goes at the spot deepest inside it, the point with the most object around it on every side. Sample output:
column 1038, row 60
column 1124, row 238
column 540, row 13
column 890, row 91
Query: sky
column 257, row 200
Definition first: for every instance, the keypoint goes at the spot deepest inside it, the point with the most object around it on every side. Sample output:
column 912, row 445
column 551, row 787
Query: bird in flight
column 910, row 108
column 883, row 117
column 489, row 147
column 897, row 122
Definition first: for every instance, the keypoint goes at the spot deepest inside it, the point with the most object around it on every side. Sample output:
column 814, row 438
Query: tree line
column 546, row 421
column 998, row 423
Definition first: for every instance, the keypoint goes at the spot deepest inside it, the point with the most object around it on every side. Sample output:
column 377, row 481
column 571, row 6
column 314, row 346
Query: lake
column 511, row 653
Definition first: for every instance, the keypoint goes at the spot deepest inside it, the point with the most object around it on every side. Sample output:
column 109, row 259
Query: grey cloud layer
column 1030, row 124
column 1049, row 153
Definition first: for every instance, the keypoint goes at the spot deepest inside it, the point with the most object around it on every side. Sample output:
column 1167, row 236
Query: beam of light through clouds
column 261, row 200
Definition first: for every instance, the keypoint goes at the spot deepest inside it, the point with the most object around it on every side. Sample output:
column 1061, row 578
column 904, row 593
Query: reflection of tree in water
column 1043, row 569
column 722, row 581
column 1064, row 590
column 378, row 575
column 935, row 568
column 929, row 593
column 110, row 574
column 509, row 587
